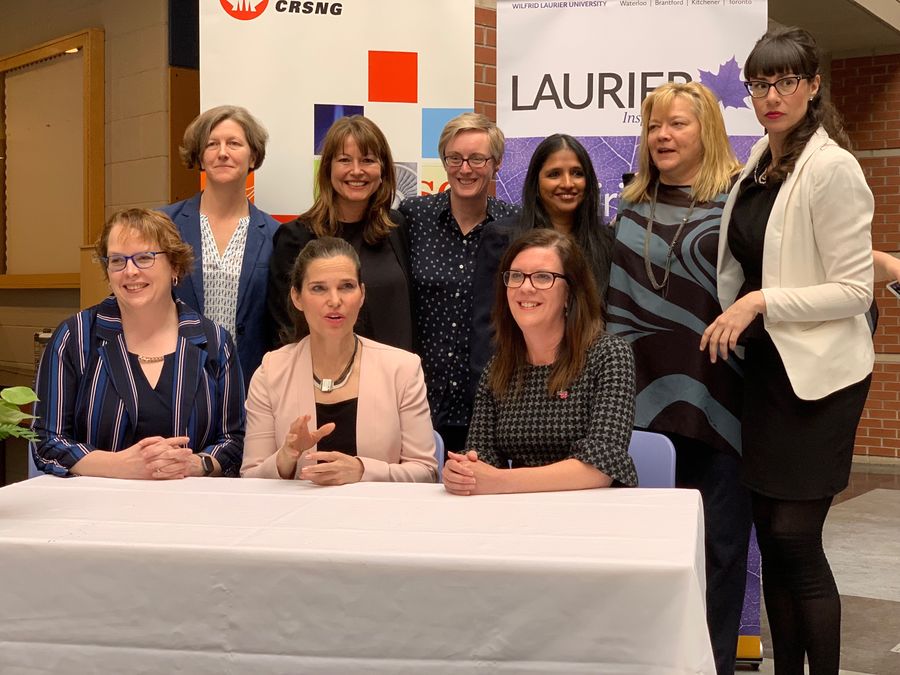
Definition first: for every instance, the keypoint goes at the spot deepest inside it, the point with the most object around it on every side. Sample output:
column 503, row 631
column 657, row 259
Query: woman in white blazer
column 795, row 281
column 335, row 408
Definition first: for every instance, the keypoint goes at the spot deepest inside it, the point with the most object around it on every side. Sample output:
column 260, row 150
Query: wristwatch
column 207, row 462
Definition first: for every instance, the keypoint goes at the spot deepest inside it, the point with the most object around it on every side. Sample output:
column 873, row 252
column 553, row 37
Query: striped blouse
column 88, row 397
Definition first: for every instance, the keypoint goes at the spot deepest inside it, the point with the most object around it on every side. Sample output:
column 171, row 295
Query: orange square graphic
column 394, row 77
column 249, row 187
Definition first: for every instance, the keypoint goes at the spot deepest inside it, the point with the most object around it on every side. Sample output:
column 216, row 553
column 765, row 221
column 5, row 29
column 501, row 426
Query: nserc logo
column 244, row 10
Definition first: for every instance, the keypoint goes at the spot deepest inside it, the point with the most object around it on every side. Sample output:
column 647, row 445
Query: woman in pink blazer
column 335, row 408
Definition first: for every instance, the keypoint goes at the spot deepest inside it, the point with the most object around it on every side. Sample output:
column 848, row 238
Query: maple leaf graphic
column 726, row 84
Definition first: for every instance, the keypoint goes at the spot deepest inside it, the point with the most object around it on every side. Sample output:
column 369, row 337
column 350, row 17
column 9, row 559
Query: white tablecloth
column 264, row 576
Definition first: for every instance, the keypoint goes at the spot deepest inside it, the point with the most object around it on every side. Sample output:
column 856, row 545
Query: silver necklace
column 761, row 178
column 667, row 266
column 326, row 385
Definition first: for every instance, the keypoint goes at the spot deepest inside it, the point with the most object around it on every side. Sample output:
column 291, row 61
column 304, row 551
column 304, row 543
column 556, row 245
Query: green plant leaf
column 10, row 414
column 7, row 430
column 18, row 395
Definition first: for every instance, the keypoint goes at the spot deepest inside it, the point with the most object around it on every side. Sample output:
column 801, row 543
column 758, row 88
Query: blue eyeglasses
column 143, row 260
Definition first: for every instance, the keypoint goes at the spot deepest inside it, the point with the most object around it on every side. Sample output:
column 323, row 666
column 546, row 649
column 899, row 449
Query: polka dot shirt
column 442, row 263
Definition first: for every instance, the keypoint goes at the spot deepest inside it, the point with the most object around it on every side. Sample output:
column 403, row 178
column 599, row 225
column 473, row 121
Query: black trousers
column 727, row 517
column 802, row 600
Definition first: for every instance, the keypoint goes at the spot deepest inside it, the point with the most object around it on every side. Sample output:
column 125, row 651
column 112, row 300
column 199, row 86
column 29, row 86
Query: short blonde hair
column 152, row 226
column 471, row 121
column 718, row 163
column 197, row 134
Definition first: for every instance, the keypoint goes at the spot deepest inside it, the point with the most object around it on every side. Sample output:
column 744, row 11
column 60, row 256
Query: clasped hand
column 161, row 458
column 465, row 474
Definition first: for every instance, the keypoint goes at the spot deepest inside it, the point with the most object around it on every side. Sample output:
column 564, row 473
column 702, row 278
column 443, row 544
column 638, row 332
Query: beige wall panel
column 138, row 50
column 13, row 374
column 44, row 167
column 140, row 181
column 93, row 283
column 17, row 343
column 139, row 94
column 136, row 80
column 137, row 137
column 39, row 317
column 26, row 24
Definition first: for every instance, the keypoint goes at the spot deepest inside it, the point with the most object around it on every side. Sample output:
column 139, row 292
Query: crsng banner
column 299, row 65
column 583, row 67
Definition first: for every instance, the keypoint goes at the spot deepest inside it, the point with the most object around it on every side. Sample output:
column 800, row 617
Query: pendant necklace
column 765, row 160
column 326, row 385
column 649, row 233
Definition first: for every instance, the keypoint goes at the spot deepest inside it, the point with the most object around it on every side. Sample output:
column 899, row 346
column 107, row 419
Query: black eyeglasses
column 784, row 86
column 541, row 281
column 475, row 161
column 117, row 263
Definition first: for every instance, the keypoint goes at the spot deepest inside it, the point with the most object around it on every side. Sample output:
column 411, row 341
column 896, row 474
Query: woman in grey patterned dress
column 555, row 406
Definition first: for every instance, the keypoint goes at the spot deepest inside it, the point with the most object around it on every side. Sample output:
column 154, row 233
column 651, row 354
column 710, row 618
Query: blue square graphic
column 433, row 122
column 326, row 114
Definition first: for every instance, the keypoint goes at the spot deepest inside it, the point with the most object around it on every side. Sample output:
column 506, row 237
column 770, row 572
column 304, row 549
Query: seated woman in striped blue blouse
column 140, row 385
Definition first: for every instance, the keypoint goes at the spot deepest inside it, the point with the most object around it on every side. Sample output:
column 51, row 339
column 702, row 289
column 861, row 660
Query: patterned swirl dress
column 678, row 390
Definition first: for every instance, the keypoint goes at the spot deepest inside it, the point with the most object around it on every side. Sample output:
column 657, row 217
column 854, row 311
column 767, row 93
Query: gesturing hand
column 299, row 439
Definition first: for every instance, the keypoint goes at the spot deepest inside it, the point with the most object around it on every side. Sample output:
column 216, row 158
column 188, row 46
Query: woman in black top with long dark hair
column 561, row 192
column 795, row 279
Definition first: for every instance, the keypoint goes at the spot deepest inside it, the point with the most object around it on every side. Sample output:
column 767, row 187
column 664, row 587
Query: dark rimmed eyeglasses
column 475, row 161
column 784, row 86
column 143, row 260
column 541, row 281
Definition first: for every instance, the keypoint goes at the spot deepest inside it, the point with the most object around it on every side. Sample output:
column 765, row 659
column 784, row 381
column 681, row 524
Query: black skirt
column 795, row 449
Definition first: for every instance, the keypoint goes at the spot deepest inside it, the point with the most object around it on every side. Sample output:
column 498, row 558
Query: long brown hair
column 322, row 218
column 794, row 50
column 583, row 323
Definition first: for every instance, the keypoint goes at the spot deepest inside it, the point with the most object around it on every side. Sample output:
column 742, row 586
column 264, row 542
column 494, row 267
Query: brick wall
column 486, row 61
column 867, row 92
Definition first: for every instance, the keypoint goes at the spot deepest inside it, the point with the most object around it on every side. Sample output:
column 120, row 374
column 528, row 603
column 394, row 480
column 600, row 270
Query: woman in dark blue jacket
column 140, row 385
column 231, row 238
